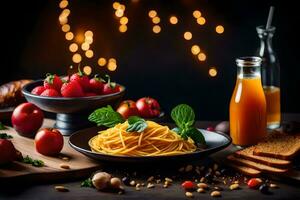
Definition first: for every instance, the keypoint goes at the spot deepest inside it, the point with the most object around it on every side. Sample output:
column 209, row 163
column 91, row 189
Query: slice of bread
column 247, row 154
column 245, row 170
column 279, row 145
column 255, row 165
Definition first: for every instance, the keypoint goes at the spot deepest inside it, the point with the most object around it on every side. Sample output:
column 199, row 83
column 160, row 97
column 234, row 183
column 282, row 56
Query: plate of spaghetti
column 138, row 140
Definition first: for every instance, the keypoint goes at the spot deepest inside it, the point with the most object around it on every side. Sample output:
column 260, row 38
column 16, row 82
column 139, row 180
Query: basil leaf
column 183, row 115
column 87, row 183
column 33, row 162
column 2, row 127
column 136, row 124
column 5, row 136
column 196, row 135
column 106, row 116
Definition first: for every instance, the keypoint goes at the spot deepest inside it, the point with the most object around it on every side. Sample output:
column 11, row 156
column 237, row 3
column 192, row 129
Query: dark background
column 160, row 66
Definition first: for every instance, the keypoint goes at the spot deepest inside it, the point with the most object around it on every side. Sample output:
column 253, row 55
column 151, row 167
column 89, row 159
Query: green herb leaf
column 136, row 124
column 2, row 127
column 87, row 183
column 33, row 162
column 5, row 136
column 184, row 116
column 106, row 116
column 196, row 135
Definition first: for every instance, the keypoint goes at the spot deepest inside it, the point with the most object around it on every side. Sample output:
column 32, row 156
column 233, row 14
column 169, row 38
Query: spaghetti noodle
column 155, row 140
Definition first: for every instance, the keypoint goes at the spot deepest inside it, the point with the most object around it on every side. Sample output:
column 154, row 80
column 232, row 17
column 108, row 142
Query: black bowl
column 214, row 142
column 72, row 113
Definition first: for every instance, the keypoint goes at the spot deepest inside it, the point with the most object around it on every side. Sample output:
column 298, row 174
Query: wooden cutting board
column 80, row 166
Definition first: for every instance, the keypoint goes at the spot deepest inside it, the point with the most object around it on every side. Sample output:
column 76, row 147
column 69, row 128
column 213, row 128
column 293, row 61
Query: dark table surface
column 31, row 190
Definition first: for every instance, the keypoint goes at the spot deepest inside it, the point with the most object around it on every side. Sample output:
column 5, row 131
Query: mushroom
column 101, row 180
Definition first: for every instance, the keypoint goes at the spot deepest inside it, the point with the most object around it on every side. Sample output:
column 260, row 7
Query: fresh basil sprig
column 5, row 136
column 184, row 118
column 87, row 183
column 33, row 162
column 136, row 124
column 106, row 116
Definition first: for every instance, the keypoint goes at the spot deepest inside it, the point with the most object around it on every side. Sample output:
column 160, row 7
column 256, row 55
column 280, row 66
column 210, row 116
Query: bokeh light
column 156, row 29
column 212, row 72
column 124, row 20
column 76, row 58
column 101, row 62
column 66, row 12
column 116, row 5
column 112, row 66
column 73, row 47
column 122, row 28
column 63, row 4
column 65, row 28
column 187, row 35
column 62, row 19
column 112, row 60
column 195, row 49
column 79, row 38
column 119, row 13
column 89, row 33
column 89, row 53
column 87, row 70
column 152, row 13
column 69, row 36
column 88, row 40
column 156, row 20
column 220, row 29
column 202, row 56
column 173, row 20
column 201, row 20
column 197, row 14
column 85, row 46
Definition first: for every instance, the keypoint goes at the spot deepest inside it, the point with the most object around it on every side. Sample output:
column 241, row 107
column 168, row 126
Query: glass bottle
column 270, row 71
column 248, row 104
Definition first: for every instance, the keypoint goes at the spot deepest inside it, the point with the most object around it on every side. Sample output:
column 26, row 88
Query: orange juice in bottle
column 248, row 104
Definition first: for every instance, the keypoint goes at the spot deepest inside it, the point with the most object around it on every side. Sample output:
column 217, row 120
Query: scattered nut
column 150, row 179
column 215, row 194
column 200, row 190
column 202, row 185
column 236, row 182
column 158, row 181
column 64, row 166
column 188, row 168
column 234, row 186
column 132, row 183
column 61, row 188
column 150, row 185
column 202, row 180
column 167, row 183
column 218, row 188
column 101, row 180
column 115, row 182
column 168, row 179
column 138, row 185
column 273, row 185
column 189, row 194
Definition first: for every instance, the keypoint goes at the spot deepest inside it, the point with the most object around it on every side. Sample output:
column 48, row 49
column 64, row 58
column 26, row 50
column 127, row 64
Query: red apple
column 26, row 119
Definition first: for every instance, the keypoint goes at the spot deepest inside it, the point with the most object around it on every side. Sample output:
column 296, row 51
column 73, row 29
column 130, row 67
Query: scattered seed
column 273, row 185
column 234, row 186
column 132, row 183
column 218, row 188
column 142, row 184
column 168, row 179
column 138, row 185
column 165, row 186
column 167, row 183
column 61, row 188
column 150, row 179
column 188, row 168
column 158, row 181
column 200, row 190
column 215, row 194
column 64, row 166
column 236, row 182
column 189, row 194
column 202, row 185
column 198, row 171
column 196, row 180
column 150, row 185
column 202, row 180
column 224, row 182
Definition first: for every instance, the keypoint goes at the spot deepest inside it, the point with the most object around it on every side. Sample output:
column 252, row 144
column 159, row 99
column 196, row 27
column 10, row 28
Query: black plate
column 215, row 142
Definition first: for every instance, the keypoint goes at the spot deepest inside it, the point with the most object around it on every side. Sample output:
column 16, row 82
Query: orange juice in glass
column 248, row 117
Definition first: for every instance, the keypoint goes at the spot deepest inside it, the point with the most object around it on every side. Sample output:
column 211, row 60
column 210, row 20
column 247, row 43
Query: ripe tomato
column 148, row 107
column 128, row 108
column 49, row 142
column 7, row 151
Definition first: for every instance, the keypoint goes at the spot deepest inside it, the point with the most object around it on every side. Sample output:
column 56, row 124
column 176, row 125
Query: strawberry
column 71, row 89
column 82, row 79
column 53, row 82
column 96, row 85
column 50, row 93
column 38, row 90
column 110, row 87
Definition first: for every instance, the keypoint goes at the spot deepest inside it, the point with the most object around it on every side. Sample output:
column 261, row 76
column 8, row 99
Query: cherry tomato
column 148, row 107
column 254, row 183
column 49, row 142
column 188, row 185
column 128, row 108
